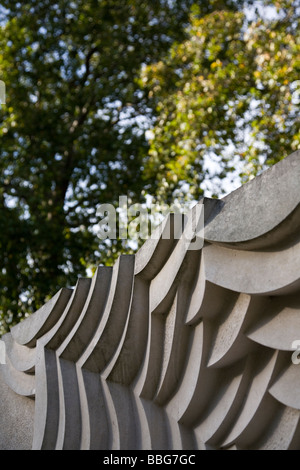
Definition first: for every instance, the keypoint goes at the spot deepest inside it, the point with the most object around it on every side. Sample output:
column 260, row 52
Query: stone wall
column 172, row 348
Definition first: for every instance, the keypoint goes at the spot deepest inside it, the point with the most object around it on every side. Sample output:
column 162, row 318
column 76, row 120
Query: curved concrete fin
column 20, row 382
column 42, row 320
column 282, row 389
column 277, row 326
column 21, row 357
column 192, row 343
column 256, row 216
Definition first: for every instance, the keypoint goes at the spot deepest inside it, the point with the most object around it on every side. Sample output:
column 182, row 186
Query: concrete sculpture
column 172, row 348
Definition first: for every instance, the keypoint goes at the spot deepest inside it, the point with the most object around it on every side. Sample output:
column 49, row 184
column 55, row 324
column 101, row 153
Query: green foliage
column 228, row 93
column 72, row 133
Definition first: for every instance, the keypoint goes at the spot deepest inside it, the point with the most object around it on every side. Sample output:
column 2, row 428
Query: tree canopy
column 125, row 97
column 226, row 97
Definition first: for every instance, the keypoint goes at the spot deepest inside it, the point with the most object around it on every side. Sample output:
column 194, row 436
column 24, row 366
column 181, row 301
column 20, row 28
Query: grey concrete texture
column 172, row 348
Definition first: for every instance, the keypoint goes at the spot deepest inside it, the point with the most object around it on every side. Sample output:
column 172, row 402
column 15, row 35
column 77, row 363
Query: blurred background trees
column 106, row 98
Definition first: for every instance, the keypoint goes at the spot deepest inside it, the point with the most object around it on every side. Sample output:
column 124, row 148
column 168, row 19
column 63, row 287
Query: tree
column 72, row 132
column 227, row 95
